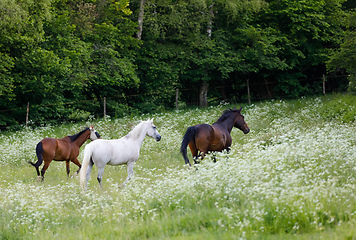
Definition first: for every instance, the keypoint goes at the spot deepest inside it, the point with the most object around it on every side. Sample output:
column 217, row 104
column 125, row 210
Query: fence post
column 177, row 94
column 324, row 84
column 248, row 92
column 28, row 110
column 104, row 107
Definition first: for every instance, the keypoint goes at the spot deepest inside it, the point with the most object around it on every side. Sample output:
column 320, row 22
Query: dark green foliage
column 345, row 56
column 64, row 57
column 340, row 108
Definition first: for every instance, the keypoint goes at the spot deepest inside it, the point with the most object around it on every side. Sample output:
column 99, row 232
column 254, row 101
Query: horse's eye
column 154, row 127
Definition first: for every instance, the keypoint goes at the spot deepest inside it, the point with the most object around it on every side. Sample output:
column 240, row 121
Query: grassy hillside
column 293, row 176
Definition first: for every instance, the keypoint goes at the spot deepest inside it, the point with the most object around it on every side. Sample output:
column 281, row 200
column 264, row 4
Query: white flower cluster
column 293, row 170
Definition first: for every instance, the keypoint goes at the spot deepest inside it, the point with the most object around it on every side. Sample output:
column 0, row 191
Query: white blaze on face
column 152, row 131
column 93, row 134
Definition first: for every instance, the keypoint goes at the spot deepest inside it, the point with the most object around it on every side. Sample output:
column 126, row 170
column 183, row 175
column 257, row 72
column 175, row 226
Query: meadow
column 292, row 177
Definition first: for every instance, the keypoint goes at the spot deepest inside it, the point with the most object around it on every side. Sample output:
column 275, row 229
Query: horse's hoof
column 39, row 178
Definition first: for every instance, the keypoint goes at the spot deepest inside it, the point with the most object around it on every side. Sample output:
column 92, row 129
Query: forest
column 62, row 58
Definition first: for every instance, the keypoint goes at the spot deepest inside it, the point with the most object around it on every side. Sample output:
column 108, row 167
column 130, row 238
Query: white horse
column 125, row 150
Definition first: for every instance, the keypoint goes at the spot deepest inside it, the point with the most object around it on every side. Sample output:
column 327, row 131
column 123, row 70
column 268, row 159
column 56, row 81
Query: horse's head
column 152, row 131
column 93, row 134
column 240, row 122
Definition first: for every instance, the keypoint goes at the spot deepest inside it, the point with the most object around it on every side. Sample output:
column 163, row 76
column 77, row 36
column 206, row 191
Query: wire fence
column 326, row 88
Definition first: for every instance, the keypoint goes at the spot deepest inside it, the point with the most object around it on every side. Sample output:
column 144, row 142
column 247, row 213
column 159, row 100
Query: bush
column 342, row 108
column 79, row 115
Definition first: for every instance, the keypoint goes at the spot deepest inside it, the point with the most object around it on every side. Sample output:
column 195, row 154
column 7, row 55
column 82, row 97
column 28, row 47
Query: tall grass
column 293, row 176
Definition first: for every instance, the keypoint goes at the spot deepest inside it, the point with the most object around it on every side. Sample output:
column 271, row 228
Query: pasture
column 293, row 176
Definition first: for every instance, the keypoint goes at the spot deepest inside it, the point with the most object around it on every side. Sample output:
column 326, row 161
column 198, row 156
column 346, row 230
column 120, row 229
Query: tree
column 57, row 53
column 198, row 32
column 345, row 56
column 173, row 32
column 308, row 30
column 6, row 86
column 140, row 19
column 21, row 33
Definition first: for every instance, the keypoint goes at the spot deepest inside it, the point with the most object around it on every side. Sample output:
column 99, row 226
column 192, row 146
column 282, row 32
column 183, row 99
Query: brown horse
column 64, row 149
column 216, row 137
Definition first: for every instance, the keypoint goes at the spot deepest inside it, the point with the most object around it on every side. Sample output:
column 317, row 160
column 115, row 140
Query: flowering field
column 293, row 175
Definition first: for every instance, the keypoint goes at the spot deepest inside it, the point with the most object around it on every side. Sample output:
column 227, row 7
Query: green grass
column 292, row 177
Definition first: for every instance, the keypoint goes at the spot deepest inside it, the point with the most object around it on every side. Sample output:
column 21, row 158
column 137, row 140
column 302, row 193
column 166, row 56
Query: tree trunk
column 203, row 94
column 210, row 23
column 140, row 19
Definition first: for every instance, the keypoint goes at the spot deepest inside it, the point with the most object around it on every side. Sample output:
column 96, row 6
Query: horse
column 125, row 150
column 216, row 137
column 64, row 149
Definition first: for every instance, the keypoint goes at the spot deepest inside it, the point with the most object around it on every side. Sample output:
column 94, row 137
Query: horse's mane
column 76, row 136
column 134, row 133
column 227, row 113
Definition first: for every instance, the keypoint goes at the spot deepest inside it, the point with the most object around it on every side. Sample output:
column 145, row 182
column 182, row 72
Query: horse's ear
column 240, row 109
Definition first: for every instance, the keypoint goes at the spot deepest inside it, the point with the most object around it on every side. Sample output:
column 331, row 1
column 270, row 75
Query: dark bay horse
column 216, row 137
column 64, row 149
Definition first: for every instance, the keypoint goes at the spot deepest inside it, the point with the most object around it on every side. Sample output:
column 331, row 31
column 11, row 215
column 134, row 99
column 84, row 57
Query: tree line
column 137, row 53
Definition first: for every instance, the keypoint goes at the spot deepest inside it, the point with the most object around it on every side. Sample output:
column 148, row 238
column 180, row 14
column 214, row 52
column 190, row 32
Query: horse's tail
column 39, row 151
column 188, row 136
column 83, row 171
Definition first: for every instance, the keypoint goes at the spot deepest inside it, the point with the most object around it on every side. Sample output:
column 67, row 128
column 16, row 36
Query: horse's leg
column 48, row 156
column 196, row 158
column 87, row 174
column 38, row 171
column 214, row 157
column 67, row 167
column 202, row 154
column 76, row 162
column 194, row 151
column 129, row 173
column 100, row 175
column 228, row 152
column 203, row 146
column 46, row 165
